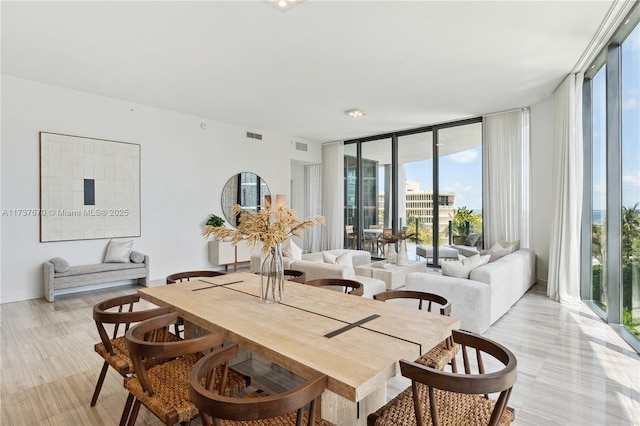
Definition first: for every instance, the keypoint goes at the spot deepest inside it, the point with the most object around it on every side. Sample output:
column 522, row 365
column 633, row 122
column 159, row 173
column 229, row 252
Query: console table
column 224, row 253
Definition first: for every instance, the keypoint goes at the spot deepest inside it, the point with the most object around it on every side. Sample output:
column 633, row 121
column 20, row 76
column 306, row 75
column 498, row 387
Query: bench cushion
column 99, row 267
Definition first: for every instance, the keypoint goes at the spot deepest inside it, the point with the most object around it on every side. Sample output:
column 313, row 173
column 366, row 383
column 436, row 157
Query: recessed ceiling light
column 284, row 5
column 355, row 113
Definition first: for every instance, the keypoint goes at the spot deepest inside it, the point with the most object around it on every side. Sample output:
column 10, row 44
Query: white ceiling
column 405, row 63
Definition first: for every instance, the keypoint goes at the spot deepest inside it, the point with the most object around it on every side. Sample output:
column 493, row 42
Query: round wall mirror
column 247, row 189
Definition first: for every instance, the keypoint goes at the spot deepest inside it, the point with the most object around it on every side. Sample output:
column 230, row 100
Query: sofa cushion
column 342, row 259
column 515, row 244
column 472, row 239
column 291, row 249
column 497, row 251
column 60, row 265
column 118, row 252
column 461, row 268
column 137, row 257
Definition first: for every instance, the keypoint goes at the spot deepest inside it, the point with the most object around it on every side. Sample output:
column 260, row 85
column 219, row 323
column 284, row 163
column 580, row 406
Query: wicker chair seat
column 453, row 408
column 286, row 420
column 170, row 381
column 439, row 356
column 120, row 360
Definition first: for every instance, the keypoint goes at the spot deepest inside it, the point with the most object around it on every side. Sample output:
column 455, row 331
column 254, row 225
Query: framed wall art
column 89, row 188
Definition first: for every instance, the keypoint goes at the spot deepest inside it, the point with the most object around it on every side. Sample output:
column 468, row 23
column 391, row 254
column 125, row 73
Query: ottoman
column 444, row 252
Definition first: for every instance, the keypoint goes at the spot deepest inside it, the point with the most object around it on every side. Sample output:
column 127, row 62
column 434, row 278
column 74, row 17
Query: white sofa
column 313, row 266
column 489, row 292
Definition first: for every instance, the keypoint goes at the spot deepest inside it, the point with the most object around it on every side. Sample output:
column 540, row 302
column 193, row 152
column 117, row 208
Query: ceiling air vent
column 301, row 146
column 252, row 135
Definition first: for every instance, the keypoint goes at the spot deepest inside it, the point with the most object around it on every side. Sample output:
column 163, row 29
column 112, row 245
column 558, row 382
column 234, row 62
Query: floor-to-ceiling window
column 430, row 201
column 612, row 136
column 630, row 155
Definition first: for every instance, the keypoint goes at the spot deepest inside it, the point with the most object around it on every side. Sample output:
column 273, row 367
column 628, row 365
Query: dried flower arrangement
column 270, row 228
column 400, row 236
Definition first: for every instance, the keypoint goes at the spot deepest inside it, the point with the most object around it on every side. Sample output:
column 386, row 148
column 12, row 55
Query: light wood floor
column 572, row 369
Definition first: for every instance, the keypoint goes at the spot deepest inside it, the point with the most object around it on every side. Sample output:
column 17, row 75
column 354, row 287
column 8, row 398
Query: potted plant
column 215, row 221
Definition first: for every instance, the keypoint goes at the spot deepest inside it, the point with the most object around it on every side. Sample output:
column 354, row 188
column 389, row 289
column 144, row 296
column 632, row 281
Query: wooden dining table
column 356, row 342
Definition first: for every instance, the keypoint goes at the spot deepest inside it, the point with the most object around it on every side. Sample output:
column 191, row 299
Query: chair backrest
column 296, row 276
column 348, row 229
column 149, row 343
column 186, row 276
column 352, row 287
column 471, row 382
column 211, row 402
column 105, row 313
column 421, row 296
column 386, row 232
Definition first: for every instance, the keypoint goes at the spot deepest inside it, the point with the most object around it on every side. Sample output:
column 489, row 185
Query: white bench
column 84, row 275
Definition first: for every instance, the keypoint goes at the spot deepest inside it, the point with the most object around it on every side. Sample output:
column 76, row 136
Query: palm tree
column 630, row 232
column 462, row 216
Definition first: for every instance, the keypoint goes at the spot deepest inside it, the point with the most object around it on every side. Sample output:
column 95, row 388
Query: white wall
column 541, row 182
column 183, row 170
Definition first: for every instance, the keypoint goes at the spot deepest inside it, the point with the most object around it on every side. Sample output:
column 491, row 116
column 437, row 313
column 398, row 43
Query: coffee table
column 393, row 275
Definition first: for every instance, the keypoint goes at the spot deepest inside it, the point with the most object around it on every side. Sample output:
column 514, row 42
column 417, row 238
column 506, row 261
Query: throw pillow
column 344, row 259
column 462, row 267
column 484, row 259
column 60, row 265
column 497, row 251
column 291, row 249
column 137, row 257
column 472, row 239
column 515, row 244
column 118, row 252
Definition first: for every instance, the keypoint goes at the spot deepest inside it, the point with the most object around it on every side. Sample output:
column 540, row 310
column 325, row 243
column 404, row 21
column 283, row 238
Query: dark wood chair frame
column 354, row 288
column 212, row 404
column 124, row 316
column 179, row 277
column 147, row 344
column 295, row 276
column 186, row 276
column 430, row 298
column 482, row 383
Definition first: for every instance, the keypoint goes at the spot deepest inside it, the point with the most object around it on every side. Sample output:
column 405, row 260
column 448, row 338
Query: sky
column 460, row 174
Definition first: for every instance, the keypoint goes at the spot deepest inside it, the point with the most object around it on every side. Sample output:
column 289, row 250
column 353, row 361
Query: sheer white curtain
column 564, row 248
column 333, row 195
column 313, row 206
column 506, row 178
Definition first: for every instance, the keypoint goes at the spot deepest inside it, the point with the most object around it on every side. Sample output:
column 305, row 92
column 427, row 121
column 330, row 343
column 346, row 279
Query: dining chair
column 350, row 234
column 443, row 353
column 437, row 397
column 371, row 238
column 162, row 368
column 381, row 240
column 352, row 287
column 119, row 313
column 286, row 408
column 179, row 277
column 296, row 276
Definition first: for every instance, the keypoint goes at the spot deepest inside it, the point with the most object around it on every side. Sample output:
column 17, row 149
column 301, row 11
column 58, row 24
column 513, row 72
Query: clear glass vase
column 272, row 276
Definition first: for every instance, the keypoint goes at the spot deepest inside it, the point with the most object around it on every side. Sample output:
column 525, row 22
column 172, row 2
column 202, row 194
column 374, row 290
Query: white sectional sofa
column 313, row 266
column 489, row 292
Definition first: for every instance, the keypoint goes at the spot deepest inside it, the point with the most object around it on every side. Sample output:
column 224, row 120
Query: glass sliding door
column 377, row 194
column 350, row 195
column 460, row 182
column 630, row 256
column 415, row 182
